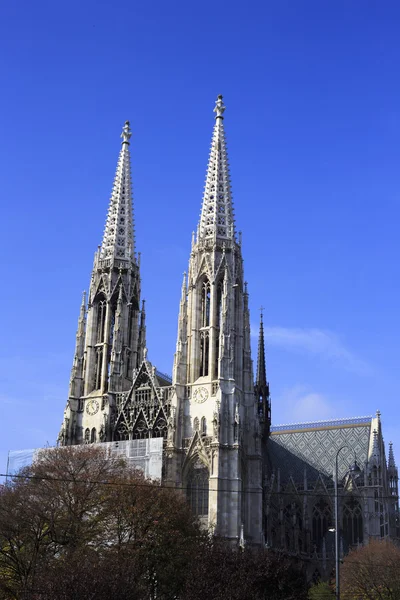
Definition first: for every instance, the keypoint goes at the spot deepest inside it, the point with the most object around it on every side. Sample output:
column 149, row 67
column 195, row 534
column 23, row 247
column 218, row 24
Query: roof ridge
column 339, row 421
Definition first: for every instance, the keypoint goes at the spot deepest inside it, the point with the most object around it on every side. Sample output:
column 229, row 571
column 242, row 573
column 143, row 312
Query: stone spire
column 77, row 366
column 217, row 216
column 118, row 238
column 261, row 387
column 391, row 461
column 261, row 378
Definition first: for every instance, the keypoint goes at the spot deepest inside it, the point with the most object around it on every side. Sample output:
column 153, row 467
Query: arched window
column 352, row 522
column 197, row 489
column 203, row 426
column 160, row 429
column 321, row 521
column 98, row 367
column 101, row 320
column 288, row 526
column 218, row 321
column 204, row 353
column 130, row 323
column 140, row 431
column 205, row 303
column 218, row 303
column 87, row 436
column 122, row 433
column 93, row 436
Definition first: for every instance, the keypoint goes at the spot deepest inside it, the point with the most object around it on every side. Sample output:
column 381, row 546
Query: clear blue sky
column 313, row 125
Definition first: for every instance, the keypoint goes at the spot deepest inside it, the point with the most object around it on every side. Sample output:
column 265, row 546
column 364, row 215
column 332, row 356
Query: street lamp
column 354, row 470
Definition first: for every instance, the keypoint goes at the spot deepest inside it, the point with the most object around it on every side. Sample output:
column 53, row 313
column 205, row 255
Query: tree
column 221, row 572
column 79, row 524
column 372, row 572
column 321, row 591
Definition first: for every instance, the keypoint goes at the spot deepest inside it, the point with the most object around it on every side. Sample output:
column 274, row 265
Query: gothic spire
column 391, row 462
column 261, row 387
column 217, row 216
column 118, row 239
column 261, row 378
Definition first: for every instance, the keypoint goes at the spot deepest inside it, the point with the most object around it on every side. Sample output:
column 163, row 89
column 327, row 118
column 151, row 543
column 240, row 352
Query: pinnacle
column 261, row 379
column 118, row 239
column 217, row 216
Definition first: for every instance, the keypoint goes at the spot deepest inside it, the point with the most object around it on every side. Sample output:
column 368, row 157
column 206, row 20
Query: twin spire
column 118, row 238
column 217, row 216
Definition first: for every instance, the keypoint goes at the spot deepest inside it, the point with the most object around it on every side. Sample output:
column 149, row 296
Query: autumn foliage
column 372, row 572
column 79, row 525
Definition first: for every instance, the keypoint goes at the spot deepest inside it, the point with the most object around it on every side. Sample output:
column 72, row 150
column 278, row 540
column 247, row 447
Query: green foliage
column 321, row 591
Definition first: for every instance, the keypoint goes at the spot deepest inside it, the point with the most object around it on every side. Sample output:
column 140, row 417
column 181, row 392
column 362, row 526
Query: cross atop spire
column 118, row 239
column 217, row 216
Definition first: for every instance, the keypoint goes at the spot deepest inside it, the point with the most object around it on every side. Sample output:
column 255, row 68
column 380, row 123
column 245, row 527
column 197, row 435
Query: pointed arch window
column 203, row 426
column 205, row 303
column 130, row 323
column 219, row 303
column 141, row 430
column 321, row 521
column 87, row 435
column 198, row 488
column 98, row 368
column 352, row 522
column 204, row 353
column 101, row 320
column 218, row 321
column 160, row 429
column 93, row 436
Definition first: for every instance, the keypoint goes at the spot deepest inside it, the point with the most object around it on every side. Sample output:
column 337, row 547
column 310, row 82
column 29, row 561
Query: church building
column 247, row 481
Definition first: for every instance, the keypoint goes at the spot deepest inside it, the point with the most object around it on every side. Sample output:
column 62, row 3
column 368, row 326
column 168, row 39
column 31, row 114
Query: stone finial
column 219, row 107
column 126, row 133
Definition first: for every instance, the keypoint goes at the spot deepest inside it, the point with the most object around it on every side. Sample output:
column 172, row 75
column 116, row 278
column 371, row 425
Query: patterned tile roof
column 314, row 446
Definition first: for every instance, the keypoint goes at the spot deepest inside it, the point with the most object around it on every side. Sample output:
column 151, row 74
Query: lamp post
column 353, row 469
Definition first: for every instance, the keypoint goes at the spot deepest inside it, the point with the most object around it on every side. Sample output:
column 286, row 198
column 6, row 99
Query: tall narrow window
column 352, row 522
column 93, row 436
column 203, row 426
column 218, row 322
column 101, row 320
column 219, row 304
column 204, row 353
column 205, row 304
column 130, row 323
column 198, row 488
column 321, row 521
column 98, row 367
column 87, row 436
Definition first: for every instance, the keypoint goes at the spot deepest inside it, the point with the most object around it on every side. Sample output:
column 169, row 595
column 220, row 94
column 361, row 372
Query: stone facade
column 247, row 482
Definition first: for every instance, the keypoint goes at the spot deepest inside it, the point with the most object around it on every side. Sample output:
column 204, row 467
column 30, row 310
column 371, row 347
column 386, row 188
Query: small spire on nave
column 261, row 377
column 391, row 461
